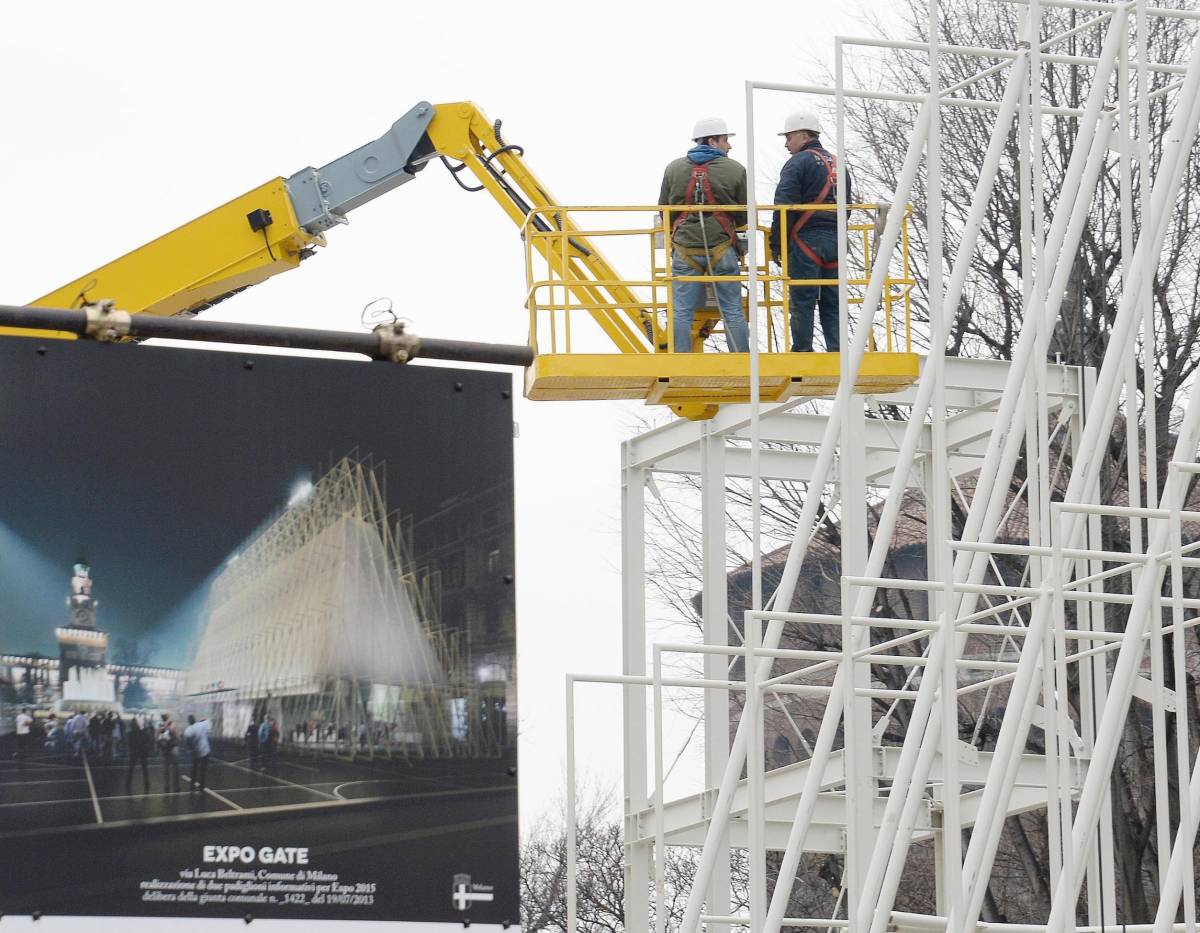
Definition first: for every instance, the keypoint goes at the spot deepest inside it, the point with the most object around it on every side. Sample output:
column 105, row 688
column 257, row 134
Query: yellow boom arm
column 272, row 228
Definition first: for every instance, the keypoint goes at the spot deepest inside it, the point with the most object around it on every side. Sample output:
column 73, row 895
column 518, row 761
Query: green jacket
column 728, row 181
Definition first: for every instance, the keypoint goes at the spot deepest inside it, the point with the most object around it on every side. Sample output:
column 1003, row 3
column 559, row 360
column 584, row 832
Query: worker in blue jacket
column 809, row 177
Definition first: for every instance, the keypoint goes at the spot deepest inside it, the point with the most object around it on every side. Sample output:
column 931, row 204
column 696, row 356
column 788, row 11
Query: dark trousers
column 804, row 299
column 134, row 757
column 170, row 759
column 23, row 745
column 199, row 771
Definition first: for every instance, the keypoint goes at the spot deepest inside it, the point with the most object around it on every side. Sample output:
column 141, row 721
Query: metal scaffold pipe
column 387, row 343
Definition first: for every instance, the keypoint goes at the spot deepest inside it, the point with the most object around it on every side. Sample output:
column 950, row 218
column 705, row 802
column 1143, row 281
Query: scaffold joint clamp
column 395, row 344
column 104, row 322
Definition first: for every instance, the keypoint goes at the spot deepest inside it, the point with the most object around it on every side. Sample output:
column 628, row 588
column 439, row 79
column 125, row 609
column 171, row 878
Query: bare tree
column 600, row 866
column 600, row 878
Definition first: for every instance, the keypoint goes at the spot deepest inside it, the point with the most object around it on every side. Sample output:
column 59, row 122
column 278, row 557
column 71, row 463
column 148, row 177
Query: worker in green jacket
column 705, row 242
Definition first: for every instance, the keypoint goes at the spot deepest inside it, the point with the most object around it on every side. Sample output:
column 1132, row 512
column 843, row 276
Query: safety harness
column 829, row 163
column 699, row 191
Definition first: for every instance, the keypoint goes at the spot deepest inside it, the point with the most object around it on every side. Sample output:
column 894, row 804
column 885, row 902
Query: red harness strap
column 699, row 179
column 830, row 165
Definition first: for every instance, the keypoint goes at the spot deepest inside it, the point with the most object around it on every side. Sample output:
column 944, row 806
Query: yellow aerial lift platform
column 274, row 227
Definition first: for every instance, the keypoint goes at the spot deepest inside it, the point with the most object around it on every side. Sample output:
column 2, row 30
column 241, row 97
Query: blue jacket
column 800, row 182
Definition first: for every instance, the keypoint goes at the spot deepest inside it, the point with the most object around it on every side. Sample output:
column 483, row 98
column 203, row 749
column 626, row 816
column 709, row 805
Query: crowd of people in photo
column 136, row 739
column 263, row 737
column 344, row 735
column 106, row 738
column 262, row 742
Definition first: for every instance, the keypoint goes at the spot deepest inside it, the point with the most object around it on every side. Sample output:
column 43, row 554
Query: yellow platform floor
column 708, row 379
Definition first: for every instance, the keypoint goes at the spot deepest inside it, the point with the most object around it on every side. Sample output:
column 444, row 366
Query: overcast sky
column 121, row 121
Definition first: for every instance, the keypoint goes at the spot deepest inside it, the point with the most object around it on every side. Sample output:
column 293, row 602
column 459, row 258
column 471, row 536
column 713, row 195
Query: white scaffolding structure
column 319, row 620
column 1039, row 635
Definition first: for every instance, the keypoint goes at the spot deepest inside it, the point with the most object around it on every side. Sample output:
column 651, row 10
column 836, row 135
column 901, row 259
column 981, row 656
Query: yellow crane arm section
column 461, row 131
column 273, row 227
column 207, row 259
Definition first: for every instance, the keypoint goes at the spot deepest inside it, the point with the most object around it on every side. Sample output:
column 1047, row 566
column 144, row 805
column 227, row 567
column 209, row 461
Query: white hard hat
column 801, row 120
column 710, row 126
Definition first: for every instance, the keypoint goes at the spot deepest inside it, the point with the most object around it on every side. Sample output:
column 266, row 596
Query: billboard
column 257, row 637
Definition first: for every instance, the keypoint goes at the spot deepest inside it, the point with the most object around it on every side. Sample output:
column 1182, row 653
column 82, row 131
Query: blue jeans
column 687, row 295
column 804, row 298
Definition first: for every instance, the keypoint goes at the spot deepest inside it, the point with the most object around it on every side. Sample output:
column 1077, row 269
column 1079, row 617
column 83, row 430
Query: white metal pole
column 753, row 711
column 805, row 524
column 660, row 841
column 1038, row 492
column 1093, row 678
column 989, row 490
column 1126, row 670
column 1060, row 237
column 995, row 795
column 715, row 611
column 855, row 830
column 572, row 832
column 938, row 507
column 875, row 563
column 932, row 378
column 1171, row 886
column 633, row 707
column 755, row 391
column 1149, row 413
column 1149, row 354
column 923, row 748
column 895, row 497
column 1133, row 473
column 1182, row 735
column 754, row 699
column 1180, row 138
column 860, row 785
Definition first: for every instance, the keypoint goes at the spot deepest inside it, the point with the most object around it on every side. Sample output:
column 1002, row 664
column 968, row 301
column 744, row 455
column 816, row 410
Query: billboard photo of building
column 257, row 645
